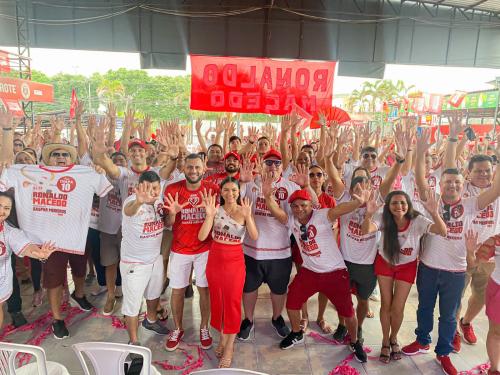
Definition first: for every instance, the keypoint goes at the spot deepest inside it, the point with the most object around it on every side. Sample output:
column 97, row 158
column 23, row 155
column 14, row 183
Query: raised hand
column 431, row 204
column 144, row 192
column 456, row 125
column 209, row 202
column 172, row 205
column 362, row 195
column 471, row 241
column 99, row 134
column 246, row 207
column 253, row 134
column 219, row 125
column 129, row 118
column 5, row 119
column 246, row 170
column 110, row 110
column 372, row 205
column 301, row 177
column 267, row 184
column 197, row 125
column 423, row 142
column 80, row 108
column 286, row 124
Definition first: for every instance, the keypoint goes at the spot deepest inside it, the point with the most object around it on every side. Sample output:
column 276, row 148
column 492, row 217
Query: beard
column 231, row 169
column 193, row 181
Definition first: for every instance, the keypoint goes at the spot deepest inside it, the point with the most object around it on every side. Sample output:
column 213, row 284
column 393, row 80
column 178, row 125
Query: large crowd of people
column 355, row 210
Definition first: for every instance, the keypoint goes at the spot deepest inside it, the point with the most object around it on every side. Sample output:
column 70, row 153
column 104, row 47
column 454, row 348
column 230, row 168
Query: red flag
column 4, row 62
column 13, row 107
column 74, row 103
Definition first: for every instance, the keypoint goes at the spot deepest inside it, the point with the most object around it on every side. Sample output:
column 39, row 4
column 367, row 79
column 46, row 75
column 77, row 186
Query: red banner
column 73, row 104
column 253, row 85
column 13, row 107
column 21, row 89
column 4, row 62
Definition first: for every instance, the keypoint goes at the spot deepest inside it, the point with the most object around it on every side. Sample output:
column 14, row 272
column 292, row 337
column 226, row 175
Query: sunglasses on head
column 318, row 174
column 60, row 154
column 447, row 213
column 373, row 156
column 303, row 233
column 270, row 162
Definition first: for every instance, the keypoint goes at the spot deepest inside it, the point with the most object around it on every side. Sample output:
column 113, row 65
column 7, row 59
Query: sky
column 429, row 79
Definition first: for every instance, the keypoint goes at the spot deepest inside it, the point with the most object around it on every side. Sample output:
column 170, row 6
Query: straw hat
column 50, row 147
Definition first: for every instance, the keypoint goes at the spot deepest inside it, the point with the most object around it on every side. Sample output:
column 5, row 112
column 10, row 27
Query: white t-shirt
column 409, row 239
column 110, row 211
column 486, row 222
column 377, row 175
column 449, row 253
column 319, row 252
column 496, row 273
column 54, row 203
column 94, row 212
column 410, row 187
column 274, row 238
column 142, row 233
column 128, row 180
column 11, row 240
column 356, row 247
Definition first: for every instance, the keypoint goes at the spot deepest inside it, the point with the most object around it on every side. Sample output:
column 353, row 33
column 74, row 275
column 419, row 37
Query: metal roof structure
column 492, row 6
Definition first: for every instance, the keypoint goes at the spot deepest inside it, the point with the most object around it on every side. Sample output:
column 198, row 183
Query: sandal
column 219, row 351
column 323, row 325
column 395, row 354
column 370, row 314
column 385, row 358
column 225, row 362
column 162, row 314
column 303, row 324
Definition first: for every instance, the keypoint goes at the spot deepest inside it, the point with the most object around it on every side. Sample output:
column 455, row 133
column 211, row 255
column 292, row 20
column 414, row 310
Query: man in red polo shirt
column 182, row 201
column 232, row 168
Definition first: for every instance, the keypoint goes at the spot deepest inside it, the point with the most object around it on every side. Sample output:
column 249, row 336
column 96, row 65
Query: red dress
column 226, row 273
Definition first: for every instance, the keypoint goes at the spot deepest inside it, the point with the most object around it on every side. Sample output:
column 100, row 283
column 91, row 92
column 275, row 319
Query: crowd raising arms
column 395, row 204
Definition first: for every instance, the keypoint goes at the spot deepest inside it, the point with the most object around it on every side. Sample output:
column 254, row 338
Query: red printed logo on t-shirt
column 281, row 194
column 311, row 231
column 66, row 184
column 194, row 200
column 376, row 181
column 3, row 248
column 457, row 211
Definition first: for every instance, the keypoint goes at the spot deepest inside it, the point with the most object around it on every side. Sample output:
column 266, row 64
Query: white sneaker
column 100, row 290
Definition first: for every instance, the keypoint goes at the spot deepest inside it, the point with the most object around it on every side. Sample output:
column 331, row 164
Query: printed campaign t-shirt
column 319, row 251
column 486, row 222
column 129, row 178
column 410, row 187
column 189, row 221
column 142, row 233
column 12, row 240
column 54, row 203
column 110, row 211
column 274, row 238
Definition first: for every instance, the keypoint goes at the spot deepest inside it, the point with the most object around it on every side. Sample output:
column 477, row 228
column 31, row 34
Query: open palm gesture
column 172, row 204
column 209, row 202
column 246, row 207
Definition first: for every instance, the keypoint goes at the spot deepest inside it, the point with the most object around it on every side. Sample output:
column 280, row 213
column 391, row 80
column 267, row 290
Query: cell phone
column 469, row 133
column 419, row 131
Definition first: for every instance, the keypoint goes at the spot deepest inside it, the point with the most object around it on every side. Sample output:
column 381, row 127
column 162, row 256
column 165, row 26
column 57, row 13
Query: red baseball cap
column 272, row 154
column 233, row 154
column 137, row 142
column 300, row 194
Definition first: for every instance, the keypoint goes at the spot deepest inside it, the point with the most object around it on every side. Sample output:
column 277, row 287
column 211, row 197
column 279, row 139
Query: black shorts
column 362, row 277
column 274, row 272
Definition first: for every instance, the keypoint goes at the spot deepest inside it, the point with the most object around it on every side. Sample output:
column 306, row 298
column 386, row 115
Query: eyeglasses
column 446, row 213
column 373, row 156
column 270, row 162
column 312, row 175
column 303, row 233
column 18, row 144
column 60, row 154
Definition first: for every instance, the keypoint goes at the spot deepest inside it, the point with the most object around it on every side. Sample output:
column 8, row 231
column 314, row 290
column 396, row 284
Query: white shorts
column 179, row 269
column 140, row 280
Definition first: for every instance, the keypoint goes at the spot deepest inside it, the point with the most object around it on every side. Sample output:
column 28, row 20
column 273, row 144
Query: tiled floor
column 262, row 353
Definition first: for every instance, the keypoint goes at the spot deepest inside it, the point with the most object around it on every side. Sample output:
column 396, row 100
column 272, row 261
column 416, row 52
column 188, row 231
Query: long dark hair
column 12, row 219
column 392, row 246
column 226, row 181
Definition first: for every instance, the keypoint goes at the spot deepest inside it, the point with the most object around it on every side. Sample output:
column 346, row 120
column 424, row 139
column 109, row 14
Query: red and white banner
column 457, row 98
column 21, row 89
column 4, row 62
column 13, row 107
column 254, row 85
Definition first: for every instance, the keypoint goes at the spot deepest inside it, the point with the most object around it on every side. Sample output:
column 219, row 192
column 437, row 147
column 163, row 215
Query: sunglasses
column 447, row 213
column 270, row 162
column 303, row 233
column 60, row 154
column 373, row 156
column 18, row 144
column 312, row 175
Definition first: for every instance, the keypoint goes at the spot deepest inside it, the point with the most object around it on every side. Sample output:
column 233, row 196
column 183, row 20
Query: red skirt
column 226, row 277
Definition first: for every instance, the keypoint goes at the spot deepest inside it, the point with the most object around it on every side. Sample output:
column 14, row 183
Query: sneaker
column 109, row 307
column 359, row 352
column 280, row 327
column 468, row 332
column 340, row 333
column 246, row 328
column 155, row 327
column 446, row 365
column 292, row 339
column 118, row 292
column 89, row 279
column 83, row 304
column 415, row 347
column 456, row 343
column 59, row 329
column 174, row 340
column 189, row 292
column 18, row 319
column 101, row 289
column 37, row 298
column 205, row 338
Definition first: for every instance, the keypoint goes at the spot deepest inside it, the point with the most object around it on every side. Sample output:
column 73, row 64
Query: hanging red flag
column 74, row 103
column 4, row 62
column 457, row 98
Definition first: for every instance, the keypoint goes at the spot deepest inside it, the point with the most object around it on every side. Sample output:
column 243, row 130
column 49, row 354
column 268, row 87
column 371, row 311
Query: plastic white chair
column 109, row 357
column 8, row 353
column 227, row 371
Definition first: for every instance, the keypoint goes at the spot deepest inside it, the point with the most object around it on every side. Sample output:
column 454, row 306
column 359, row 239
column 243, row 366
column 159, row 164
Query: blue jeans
column 448, row 285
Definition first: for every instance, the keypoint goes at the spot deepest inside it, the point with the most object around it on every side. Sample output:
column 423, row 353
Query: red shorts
column 404, row 272
column 493, row 301
column 334, row 285
column 54, row 271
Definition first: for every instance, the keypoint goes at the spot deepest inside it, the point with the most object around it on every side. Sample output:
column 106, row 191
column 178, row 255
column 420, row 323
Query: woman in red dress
column 228, row 223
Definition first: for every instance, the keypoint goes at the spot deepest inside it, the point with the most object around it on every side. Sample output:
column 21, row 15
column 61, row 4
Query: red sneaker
column 174, row 340
column 468, row 332
column 456, row 343
column 415, row 347
column 446, row 365
column 205, row 338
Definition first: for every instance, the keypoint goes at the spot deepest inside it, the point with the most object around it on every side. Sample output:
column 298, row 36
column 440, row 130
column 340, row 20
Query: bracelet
column 6, row 129
column 452, row 139
column 400, row 161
